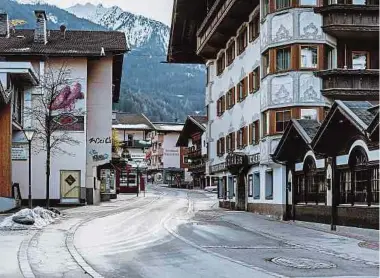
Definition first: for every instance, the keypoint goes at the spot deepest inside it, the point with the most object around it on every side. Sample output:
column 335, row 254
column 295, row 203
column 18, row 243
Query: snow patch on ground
column 42, row 217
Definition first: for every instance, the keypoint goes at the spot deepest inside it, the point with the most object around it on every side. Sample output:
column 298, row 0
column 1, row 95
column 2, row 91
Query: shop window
column 360, row 59
column 282, row 4
column 250, row 185
column 230, row 53
column 309, row 57
column 283, row 59
column 265, row 62
column 309, row 114
column 282, row 119
column 254, row 80
column 308, row 2
column 254, row 28
column 256, row 184
column 242, row 40
column 221, row 64
column 269, row 185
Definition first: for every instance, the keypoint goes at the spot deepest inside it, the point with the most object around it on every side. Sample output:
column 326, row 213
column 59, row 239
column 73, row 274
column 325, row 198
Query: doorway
column 70, row 186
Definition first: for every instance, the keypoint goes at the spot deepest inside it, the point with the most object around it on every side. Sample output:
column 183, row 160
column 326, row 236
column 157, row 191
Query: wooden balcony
column 222, row 23
column 197, row 168
column 194, row 153
column 350, row 21
column 350, row 84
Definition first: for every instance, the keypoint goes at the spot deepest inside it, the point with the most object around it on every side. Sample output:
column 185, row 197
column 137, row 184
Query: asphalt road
column 181, row 234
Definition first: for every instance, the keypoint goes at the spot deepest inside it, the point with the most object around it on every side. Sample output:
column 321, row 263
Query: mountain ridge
column 163, row 92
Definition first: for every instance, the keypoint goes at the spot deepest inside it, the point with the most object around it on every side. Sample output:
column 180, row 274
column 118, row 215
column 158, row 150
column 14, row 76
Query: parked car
column 211, row 189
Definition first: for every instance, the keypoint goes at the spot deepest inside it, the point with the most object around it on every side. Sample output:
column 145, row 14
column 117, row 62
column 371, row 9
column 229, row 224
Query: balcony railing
column 136, row 144
column 197, row 167
column 347, row 20
column 350, row 84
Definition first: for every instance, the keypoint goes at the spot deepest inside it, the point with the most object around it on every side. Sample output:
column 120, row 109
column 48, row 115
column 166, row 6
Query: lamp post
column 29, row 133
column 138, row 178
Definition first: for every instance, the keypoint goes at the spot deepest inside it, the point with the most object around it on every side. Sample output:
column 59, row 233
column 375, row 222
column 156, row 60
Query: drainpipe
column 334, row 184
column 345, row 56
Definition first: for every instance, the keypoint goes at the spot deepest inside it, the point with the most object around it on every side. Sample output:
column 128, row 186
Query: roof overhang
column 117, row 70
column 187, row 16
column 24, row 71
column 191, row 126
column 294, row 143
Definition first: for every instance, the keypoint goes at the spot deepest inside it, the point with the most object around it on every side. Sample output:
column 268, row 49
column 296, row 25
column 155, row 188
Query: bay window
column 309, row 57
column 283, row 59
column 282, row 119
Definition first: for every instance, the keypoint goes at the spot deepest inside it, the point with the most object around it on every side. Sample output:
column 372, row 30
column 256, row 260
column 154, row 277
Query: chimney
column 4, row 25
column 62, row 28
column 40, row 34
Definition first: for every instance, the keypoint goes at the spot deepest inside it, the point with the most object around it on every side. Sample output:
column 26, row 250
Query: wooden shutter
column 251, row 76
column 250, row 129
column 233, row 139
column 245, row 132
column 233, row 96
column 257, row 132
column 245, row 87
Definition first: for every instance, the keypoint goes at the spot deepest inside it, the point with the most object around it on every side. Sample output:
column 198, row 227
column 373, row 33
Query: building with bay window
column 271, row 62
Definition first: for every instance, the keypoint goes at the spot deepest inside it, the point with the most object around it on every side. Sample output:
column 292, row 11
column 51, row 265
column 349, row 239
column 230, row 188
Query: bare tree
column 53, row 114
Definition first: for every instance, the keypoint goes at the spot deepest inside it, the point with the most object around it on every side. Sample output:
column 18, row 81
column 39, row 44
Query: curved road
column 181, row 233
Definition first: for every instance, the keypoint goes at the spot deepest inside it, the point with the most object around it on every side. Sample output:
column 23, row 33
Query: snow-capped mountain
column 162, row 91
column 138, row 29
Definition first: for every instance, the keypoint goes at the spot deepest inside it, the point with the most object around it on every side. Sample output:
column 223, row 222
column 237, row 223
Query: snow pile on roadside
column 37, row 219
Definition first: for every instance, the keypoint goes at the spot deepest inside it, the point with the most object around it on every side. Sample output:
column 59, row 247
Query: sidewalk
column 346, row 243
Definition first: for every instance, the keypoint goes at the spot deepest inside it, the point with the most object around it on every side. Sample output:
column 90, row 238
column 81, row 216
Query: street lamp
column 29, row 133
column 138, row 179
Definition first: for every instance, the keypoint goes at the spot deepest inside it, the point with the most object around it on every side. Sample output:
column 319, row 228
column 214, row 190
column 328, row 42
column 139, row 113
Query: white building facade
column 260, row 60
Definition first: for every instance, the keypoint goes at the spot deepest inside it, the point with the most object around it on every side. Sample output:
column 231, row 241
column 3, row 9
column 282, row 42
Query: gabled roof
column 296, row 139
column 131, row 122
column 75, row 43
column 201, row 121
column 360, row 115
column 192, row 125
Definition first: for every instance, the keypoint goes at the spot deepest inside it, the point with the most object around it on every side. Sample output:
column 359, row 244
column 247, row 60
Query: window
column 231, row 187
column 242, row 89
column 230, row 98
column 220, row 106
column 256, row 185
column 230, row 143
column 309, row 57
column 223, row 146
column 242, row 40
column 223, row 104
column 266, row 67
column 230, row 53
column 265, row 8
column 185, row 159
column 220, row 64
column 309, row 114
column 283, row 59
column 308, row 2
column 254, row 28
column 282, row 119
column 242, row 138
column 265, row 123
column 268, row 185
column 360, row 59
column 282, row 4
column 329, row 53
column 254, row 80
column 250, row 185
column 254, row 133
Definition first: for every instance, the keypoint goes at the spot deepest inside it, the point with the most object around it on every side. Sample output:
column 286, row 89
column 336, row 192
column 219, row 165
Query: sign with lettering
column 235, row 162
column 19, row 153
column 254, row 159
column 218, row 167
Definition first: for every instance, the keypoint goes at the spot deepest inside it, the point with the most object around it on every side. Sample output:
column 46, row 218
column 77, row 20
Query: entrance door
column 70, row 186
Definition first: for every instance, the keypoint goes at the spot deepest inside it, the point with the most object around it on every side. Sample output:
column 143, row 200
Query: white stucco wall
column 99, row 116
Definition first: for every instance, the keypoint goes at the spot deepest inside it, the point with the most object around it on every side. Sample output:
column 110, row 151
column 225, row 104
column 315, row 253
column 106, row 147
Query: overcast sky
column 160, row 10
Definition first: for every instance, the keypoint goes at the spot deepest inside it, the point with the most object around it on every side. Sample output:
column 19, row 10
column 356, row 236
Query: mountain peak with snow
column 138, row 29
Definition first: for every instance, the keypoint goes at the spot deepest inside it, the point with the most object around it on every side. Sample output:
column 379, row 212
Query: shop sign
column 218, row 167
column 234, row 159
column 254, row 159
column 19, row 153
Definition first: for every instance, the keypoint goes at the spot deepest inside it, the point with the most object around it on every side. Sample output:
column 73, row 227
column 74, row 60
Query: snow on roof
column 131, row 126
column 165, row 127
